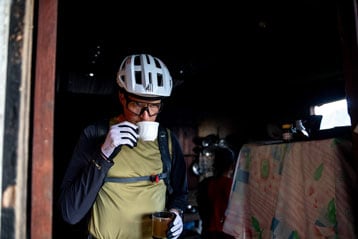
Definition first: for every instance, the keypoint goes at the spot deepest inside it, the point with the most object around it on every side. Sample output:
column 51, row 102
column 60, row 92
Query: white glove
column 176, row 226
column 124, row 133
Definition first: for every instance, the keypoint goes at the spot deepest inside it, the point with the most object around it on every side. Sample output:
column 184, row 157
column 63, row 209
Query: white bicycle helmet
column 144, row 75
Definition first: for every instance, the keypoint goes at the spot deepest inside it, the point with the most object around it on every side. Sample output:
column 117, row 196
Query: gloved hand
column 176, row 226
column 124, row 133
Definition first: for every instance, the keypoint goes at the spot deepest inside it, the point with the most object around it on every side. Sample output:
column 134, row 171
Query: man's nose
column 144, row 113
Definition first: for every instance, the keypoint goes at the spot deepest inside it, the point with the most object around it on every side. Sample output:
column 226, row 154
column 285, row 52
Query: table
column 293, row 190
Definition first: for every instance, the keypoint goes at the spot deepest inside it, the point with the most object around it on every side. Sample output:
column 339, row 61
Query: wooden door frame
column 43, row 121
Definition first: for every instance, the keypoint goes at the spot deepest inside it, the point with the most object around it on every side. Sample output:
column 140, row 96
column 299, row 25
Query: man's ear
column 121, row 97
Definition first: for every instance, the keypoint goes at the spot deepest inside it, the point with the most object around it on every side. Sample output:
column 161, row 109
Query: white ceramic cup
column 148, row 130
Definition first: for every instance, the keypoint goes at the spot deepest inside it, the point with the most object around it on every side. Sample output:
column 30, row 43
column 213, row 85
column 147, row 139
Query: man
column 115, row 180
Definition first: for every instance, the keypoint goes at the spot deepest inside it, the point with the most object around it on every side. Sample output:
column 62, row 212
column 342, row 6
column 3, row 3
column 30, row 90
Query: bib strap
column 152, row 178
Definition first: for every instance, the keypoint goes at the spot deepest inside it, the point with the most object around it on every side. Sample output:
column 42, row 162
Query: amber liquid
column 160, row 227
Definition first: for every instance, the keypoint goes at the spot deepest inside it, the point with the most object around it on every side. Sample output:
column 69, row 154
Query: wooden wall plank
column 43, row 124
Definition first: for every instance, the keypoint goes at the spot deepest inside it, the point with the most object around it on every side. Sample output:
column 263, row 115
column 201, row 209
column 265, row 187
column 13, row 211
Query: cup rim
column 148, row 122
column 163, row 214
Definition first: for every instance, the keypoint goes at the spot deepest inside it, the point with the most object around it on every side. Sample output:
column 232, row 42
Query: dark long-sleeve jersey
column 87, row 171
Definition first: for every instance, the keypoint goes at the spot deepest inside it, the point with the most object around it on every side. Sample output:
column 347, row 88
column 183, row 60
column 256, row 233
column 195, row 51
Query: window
column 334, row 114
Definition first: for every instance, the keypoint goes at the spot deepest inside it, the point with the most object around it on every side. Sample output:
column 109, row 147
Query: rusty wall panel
column 348, row 16
column 348, row 21
column 186, row 137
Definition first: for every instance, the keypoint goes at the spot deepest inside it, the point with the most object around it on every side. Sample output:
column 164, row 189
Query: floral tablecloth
column 292, row 190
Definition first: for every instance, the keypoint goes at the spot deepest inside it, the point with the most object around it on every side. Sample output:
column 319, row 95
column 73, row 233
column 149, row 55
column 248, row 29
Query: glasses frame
column 145, row 108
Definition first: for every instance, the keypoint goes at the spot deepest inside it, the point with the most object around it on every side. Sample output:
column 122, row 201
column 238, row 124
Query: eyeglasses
column 138, row 108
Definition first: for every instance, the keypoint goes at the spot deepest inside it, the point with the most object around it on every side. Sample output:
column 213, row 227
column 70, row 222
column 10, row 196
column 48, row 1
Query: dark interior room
column 254, row 63
column 269, row 59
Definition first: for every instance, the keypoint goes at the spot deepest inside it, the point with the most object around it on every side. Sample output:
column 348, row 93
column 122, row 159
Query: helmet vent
column 137, row 61
column 150, row 78
column 157, row 63
column 138, row 77
column 150, row 83
column 160, row 80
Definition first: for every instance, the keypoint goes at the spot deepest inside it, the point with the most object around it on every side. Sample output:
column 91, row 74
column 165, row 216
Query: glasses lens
column 138, row 108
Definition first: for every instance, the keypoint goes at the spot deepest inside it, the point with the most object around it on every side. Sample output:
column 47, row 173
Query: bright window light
column 334, row 114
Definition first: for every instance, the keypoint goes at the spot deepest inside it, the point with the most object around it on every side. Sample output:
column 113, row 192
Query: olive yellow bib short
column 122, row 210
